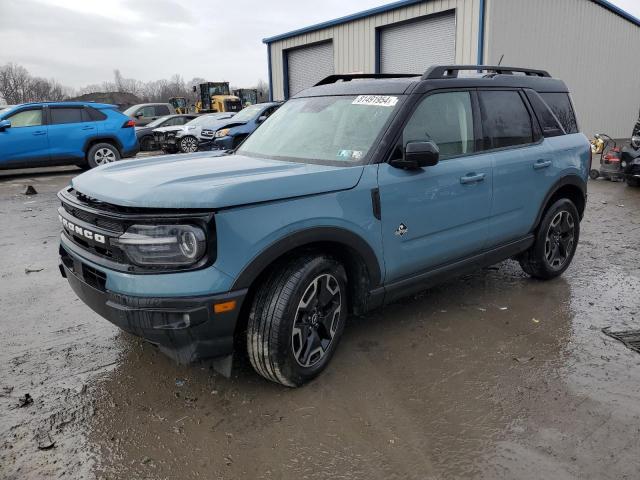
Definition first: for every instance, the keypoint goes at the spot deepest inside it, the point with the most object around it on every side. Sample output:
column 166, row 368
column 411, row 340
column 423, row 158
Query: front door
column 25, row 141
column 435, row 215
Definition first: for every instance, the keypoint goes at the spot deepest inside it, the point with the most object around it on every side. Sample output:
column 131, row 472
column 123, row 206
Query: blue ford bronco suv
column 354, row 193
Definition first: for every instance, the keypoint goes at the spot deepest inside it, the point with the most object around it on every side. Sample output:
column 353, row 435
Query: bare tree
column 18, row 86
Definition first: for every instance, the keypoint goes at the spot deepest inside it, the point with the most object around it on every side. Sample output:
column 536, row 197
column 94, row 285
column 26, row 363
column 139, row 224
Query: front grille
column 97, row 220
column 207, row 133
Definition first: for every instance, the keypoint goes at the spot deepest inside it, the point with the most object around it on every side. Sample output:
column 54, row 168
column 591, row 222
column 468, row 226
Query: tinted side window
column 162, row 110
column 561, row 106
column 66, row 115
column 445, row 119
column 170, row 122
column 26, row 118
column 548, row 122
column 148, row 111
column 94, row 114
column 505, row 119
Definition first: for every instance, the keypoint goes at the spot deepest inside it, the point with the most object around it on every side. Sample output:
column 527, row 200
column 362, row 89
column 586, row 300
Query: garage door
column 413, row 47
column 309, row 65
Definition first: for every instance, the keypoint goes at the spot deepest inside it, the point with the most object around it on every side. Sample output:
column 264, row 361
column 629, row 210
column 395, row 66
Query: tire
column 101, row 154
column 555, row 242
column 146, row 143
column 296, row 320
column 188, row 144
column 594, row 174
column 633, row 182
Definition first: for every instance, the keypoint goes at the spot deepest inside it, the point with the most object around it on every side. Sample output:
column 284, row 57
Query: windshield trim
column 337, row 163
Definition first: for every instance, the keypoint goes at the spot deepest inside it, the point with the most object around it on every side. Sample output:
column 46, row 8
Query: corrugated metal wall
column 593, row 50
column 355, row 42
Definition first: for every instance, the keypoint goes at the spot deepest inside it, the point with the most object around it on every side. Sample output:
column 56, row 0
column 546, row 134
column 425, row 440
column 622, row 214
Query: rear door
column 25, row 141
column 69, row 131
column 522, row 164
column 435, row 215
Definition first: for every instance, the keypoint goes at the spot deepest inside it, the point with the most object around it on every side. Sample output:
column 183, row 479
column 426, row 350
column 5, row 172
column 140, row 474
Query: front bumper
column 223, row 143
column 186, row 329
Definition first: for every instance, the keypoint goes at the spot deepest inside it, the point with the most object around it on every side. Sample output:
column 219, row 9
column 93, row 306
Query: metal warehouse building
column 590, row 44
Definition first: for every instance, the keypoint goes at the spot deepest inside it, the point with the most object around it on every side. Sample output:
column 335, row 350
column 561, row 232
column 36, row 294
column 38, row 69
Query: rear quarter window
column 162, row 110
column 549, row 123
column 94, row 115
column 560, row 105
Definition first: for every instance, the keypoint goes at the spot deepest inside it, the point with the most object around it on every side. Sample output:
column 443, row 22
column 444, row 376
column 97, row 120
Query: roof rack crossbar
column 347, row 77
column 451, row 71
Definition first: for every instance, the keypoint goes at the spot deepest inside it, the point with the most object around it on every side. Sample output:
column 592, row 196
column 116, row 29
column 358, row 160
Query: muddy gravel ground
column 489, row 376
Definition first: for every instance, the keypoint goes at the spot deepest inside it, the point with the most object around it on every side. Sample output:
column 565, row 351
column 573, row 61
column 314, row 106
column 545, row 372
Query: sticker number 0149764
column 378, row 100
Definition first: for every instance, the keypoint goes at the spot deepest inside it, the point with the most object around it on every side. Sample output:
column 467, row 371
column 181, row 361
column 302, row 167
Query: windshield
column 333, row 129
column 158, row 121
column 209, row 119
column 248, row 113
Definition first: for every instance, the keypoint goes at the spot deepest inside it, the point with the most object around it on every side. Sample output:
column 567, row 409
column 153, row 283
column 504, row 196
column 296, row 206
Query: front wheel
column 189, row 144
column 147, row 143
column 297, row 319
column 555, row 242
column 594, row 174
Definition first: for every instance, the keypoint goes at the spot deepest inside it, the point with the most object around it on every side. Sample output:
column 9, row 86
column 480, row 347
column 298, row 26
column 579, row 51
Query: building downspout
column 270, row 80
column 481, row 33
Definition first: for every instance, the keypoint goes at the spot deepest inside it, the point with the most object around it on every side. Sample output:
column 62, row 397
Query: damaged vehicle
column 191, row 136
column 242, row 125
column 356, row 192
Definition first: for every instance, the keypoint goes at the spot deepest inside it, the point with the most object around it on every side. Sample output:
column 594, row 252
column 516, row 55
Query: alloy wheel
column 189, row 145
column 316, row 321
column 559, row 241
column 103, row 156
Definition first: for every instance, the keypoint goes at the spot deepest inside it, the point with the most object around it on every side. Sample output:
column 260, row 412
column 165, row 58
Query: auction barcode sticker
column 378, row 100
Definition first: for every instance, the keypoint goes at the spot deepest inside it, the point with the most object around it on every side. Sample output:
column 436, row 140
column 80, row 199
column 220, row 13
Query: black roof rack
column 451, row 71
column 347, row 77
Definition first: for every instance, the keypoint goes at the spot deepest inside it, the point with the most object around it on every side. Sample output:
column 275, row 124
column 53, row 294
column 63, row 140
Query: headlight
column 222, row 133
column 623, row 164
column 635, row 141
column 171, row 245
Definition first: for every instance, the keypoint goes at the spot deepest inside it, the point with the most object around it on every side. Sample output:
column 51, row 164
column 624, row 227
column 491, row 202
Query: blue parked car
column 354, row 193
column 243, row 124
column 62, row 133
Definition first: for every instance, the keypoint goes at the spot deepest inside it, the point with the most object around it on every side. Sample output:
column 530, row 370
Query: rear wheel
column 555, row 243
column 189, row 144
column 101, row 154
column 633, row 182
column 146, row 143
column 297, row 319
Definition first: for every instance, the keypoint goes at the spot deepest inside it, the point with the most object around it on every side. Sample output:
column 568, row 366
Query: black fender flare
column 573, row 180
column 99, row 138
column 304, row 237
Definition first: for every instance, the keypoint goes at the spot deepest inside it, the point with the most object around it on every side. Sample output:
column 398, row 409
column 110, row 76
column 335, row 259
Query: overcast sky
column 80, row 42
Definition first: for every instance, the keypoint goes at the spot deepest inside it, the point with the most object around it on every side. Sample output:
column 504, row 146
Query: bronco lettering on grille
column 88, row 234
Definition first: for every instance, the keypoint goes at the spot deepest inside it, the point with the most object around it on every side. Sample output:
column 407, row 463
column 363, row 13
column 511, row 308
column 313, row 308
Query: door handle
column 541, row 164
column 88, row 128
column 39, row 132
column 472, row 178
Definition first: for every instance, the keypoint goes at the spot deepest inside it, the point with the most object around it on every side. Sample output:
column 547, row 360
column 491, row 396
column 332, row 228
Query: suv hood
column 206, row 181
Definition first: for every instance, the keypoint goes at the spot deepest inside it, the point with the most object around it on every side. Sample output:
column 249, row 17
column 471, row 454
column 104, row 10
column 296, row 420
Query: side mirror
column 418, row 155
column 4, row 124
column 138, row 115
column 262, row 118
